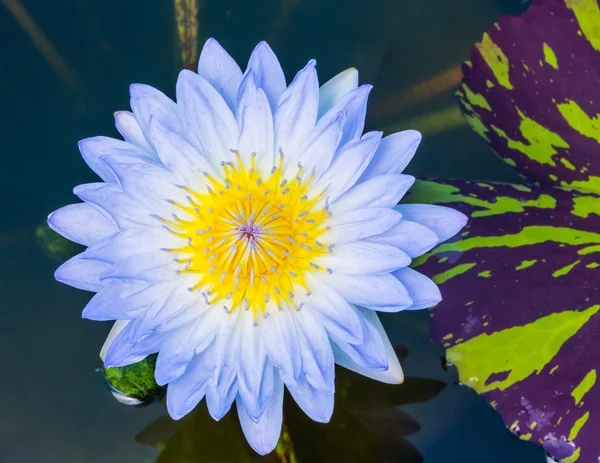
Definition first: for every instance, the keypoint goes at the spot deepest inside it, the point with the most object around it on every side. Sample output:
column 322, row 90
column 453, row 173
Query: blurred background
column 65, row 67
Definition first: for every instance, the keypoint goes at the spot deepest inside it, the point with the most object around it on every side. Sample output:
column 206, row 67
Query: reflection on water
column 64, row 69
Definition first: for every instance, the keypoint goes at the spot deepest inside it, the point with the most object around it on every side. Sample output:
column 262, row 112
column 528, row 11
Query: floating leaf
column 521, row 311
column 134, row 384
column 531, row 90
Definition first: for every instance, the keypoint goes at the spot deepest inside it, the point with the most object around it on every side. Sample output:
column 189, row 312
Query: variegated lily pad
column 521, row 312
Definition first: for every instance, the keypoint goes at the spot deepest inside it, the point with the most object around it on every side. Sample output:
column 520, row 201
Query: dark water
column 55, row 407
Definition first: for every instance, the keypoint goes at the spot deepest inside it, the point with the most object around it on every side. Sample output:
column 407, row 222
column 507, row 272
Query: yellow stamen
column 251, row 239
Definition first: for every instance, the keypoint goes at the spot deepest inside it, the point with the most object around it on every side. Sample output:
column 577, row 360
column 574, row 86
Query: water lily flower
column 248, row 233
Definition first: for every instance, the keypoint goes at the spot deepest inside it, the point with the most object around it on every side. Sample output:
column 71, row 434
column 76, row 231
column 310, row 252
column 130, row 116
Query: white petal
column 375, row 358
column 348, row 164
column 146, row 101
column 359, row 224
column 117, row 327
column 255, row 375
column 220, row 70
column 423, row 292
column 318, row 405
column 412, row 238
column 182, row 159
column 81, row 223
column 378, row 292
column 150, row 267
column 296, row 112
column 189, row 389
column 95, row 148
column 208, row 122
column 255, row 123
column 443, row 221
column 317, row 357
column 335, row 88
column 362, row 258
column 382, row 191
column 394, row 154
column 130, row 129
column 281, row 341
column 336, row 315
column 132, row 242
column 81, row 273
column 263, row 435
column 354, row 105
column 119, row 206
column 269, row 75
column 317, row 152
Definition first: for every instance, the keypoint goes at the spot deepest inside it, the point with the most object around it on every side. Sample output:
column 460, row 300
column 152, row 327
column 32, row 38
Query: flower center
column 251, row 240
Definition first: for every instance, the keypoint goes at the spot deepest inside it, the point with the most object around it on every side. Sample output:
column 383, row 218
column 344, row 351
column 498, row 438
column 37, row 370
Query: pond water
column 65, row 68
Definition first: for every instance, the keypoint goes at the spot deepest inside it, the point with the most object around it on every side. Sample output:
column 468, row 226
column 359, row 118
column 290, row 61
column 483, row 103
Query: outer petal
column 150, row 267
column 382, row 191
column 336, row 315
column 296, row 113
column 364, row 258
column 81, row 223
column 264, row 434
column 189, row 389
column 95, row 148
column 375, row 357
column 412, row 238
column 255, row 123
column 348, row 165
column 130, row 129
column 443, row 221
column 208, row 122
column 269, row 75
column 394, row 154
column 318, row 405
column 359, row 224
column 117, row 327
column 378, row 292
column 146, row 101
column 81, row 273
column 423, row 292
column 220, row 70
column 335, row 88
column 354, row 105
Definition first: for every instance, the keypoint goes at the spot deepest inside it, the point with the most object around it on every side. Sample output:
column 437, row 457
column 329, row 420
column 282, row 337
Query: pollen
column 252, row 239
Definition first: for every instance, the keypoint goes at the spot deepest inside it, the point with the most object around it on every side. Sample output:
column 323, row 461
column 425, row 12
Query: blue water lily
column 248, row 233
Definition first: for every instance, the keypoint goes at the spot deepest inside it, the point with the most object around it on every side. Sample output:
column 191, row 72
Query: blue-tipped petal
column 150, row 267
column 130, row 129
column 296, row 113
column 255, row 123
column 384, row 191
column 360, row 223
column 423, row 292
column 364, row 258
column 264, row 434
column 208, row 122
column 375, row 357
column 117, row 327
column 394, row 154
column 269, row 75
column 354, row 105
column 348, row 164
column 82, row 273
column 120, row 300
column 220, row 70
column 81, row 223
column 147, row 102
column 318, row 405
column 336, row 315
column 335, row 88
column 378, row 292
column 412, row 238
column 443, row 221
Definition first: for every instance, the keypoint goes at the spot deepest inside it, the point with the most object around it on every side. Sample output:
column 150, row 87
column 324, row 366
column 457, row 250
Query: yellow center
column 251, row 239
